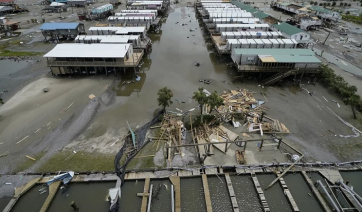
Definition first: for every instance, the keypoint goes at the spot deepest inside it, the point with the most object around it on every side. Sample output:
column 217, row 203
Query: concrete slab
column 332, row 175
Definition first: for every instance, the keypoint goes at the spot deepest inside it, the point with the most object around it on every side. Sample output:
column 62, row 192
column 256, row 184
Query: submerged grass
column 80, row 162
column 4, row 52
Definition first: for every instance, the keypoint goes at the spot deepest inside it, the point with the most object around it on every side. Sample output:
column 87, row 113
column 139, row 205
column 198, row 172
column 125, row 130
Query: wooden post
column 261, row 144
column 245, row 142
column 226, row 145
column 280, row 142
column 74, row 206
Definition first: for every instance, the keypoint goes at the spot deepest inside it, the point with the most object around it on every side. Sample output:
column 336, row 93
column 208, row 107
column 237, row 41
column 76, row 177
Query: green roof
column 287, row 28
column 283, row 55
column 251, row 10
column 242, row 5
column 261, row 15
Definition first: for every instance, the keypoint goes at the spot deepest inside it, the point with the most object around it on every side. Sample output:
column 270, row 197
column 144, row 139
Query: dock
column 231, row 193
column 207, row 193
column 331, row 175
column 260, row 191
column 53, row 188
column 219, row 44
column 176, row 183
column 146, row 191
column 288, row 195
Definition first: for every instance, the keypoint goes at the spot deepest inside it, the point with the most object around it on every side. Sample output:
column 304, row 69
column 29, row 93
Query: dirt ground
column 64, row 119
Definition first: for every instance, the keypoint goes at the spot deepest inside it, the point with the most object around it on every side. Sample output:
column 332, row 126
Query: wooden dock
column 261, row 195
column 207, row 193
column 146, row 191
column 332, row 175
column 289, row 195
column 53, row 188
column 175, row 180
column 316, row 193
column 231, row 193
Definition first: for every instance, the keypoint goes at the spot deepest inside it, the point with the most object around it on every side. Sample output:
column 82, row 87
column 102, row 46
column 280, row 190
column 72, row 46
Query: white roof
column 273, row 41
column 280, row 41
column 232, row 40
column 138, row 11
column 258, row 41
column 266, row 41
column 79, row 50
column 243, row 41
column 288, row 41
column 231, row 15
column 147, row 3
column 242, row 25
column 108, row 38
column 135, row 14
column 119, row 29
column 251, row 41
column 76, row 0
column 129, row 18
column 54, row 4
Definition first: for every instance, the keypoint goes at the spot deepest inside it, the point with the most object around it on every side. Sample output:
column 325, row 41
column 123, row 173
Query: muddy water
column 220, row 199
column 31, row 201
column 130, row 202
column 245, row 193
column 355, row 180
column 161, row 195
column 89, row 197
column 275, row 197
column 302, row 194
column 192, row 195
column 170, row 64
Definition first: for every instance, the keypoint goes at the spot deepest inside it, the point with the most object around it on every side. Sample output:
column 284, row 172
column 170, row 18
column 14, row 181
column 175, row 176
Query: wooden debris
column 30, row 157
column 240, row 159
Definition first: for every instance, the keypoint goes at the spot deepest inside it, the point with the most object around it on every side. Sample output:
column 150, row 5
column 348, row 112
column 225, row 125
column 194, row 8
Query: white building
column 292, row 32
column 118, row 31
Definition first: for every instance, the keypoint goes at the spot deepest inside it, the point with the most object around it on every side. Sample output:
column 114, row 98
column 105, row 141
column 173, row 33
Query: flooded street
column 32, row 198
column 192, row 195
column 129, row 199
column 220, row 199
column 246, row 194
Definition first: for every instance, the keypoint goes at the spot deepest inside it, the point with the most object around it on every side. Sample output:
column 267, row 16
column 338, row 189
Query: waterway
column 4, row 202
column 32, row 201
column 130, row 202
column 245, row 193
column 302, row 194
column 275, row 197
column 192, row 195
column 89, row 197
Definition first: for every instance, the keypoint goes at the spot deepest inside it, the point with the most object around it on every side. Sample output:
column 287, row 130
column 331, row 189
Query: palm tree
column 201, row 97
column 214, row 100
column 1, row 101
column 164, row 97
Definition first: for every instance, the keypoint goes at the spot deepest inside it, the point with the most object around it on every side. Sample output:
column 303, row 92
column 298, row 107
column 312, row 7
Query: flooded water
column 4, row 202
column 275, row 197
column 31, row 201
column 161, row 196
column 302, row 194
column 355, row 180
column 130, row 202
column 220, row 199
column 129, row 85
column 170, row 64
column 245, row 193
column 89, row 197
column 192, row 195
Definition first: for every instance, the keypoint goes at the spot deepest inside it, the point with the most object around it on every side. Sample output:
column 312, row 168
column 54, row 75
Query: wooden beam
column 207, row 193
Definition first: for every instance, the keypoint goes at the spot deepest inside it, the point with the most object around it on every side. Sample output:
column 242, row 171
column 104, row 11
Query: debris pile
column 253, row 112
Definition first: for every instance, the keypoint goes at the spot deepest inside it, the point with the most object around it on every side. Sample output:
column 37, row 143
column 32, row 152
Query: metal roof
column 118, row 29
column 80, row 50
column 55, row 26
column 261, row 15
column 108, row 38
column 288, row 29
column 295, row 59
column 296, row 52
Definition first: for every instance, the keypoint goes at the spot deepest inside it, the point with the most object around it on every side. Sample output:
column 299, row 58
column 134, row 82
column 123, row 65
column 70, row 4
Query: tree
column 164, row 97
column 334, row 3
column 201, row 98
column 214, row 100
column 354, row 100
column 1, row 101
column 341, row 4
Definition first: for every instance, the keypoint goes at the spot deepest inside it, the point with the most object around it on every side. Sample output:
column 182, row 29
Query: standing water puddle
column 192, row 195
column 275, row 197
column 31, row 201
column 220, row 199
column 302, row 194
column 130, row 202
column 89, row 197
column 245, row 193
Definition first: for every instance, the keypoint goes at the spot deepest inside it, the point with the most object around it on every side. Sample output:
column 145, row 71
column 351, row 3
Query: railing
column 91, row 63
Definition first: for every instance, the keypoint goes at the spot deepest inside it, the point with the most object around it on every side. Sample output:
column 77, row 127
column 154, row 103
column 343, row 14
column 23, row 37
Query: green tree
column 354, row 100
column 164, row 97
column 214, row 100
column 201, row 97
column 1, row 101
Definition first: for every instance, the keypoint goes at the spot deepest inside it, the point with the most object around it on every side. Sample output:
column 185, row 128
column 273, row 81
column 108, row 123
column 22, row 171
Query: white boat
column 66, row 177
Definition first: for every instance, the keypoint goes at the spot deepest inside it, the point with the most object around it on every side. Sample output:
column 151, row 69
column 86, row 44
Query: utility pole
column 326, row 38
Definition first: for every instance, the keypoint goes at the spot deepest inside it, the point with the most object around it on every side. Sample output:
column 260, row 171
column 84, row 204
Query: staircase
column 277, row 77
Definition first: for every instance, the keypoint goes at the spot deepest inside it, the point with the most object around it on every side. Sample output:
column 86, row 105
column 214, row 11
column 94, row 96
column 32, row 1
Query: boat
column 66, row 177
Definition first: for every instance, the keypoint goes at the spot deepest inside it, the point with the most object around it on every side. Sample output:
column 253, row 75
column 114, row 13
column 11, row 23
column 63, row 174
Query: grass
column 4, row 52
column 28, row 163
column 79, row 162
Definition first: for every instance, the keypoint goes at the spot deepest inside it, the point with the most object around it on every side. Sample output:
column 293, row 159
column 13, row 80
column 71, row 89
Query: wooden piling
column 207, row 193
column 146, row 190
column 53, row 188
column 231, row 193
column 175, row 180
